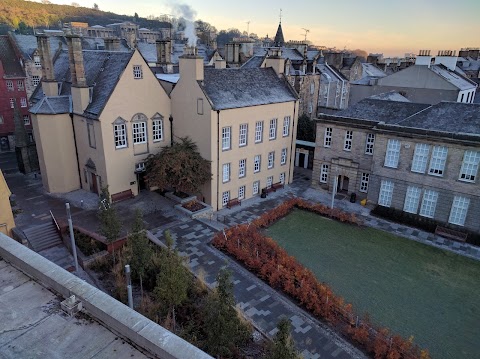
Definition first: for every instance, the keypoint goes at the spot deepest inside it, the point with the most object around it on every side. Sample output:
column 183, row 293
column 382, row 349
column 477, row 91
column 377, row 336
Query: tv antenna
column 306, row 32
column 248, row 28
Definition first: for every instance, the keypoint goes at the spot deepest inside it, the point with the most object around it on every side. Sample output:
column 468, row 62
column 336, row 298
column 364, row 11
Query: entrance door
column 342, row 184
column 93, row 183
column 141, row 181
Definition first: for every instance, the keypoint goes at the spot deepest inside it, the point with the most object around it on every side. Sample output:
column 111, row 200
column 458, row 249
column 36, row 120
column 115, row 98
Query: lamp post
column 72, row 237
column 334, row 190
column 129, row 285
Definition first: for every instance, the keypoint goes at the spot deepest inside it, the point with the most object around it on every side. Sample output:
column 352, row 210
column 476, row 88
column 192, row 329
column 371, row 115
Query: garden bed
column 195, row 208
column 180, row 197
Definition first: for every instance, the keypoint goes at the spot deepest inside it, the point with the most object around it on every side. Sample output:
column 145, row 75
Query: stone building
column 7, row 222
column 419, row 158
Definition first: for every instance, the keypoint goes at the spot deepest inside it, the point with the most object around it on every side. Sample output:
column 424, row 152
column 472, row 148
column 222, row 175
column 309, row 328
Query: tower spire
column 280, row 16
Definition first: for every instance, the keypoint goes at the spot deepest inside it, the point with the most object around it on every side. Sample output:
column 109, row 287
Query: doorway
column 93, row 183
column 342, row 184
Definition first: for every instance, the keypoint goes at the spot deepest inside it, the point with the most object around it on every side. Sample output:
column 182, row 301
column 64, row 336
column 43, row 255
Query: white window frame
column 282, row 177
column 420, row 157
column 347, row 145
column 469, row 169
column 271, row 159
column 157, row 128
column 10, row 86
column 258, row 131
column 412, row 199
column 242, row 168
column 23, row 102
column 12, row 103
column 226, row 172
column 20, row 85
column 241, row 192
column 35, row 80
column 286, row 126
column 225, row 198
column 226, row 138
column 327, row 139
column 137, row 72
column 324, row 169
column 369, row 143
column 392, row 155
column 429, row 203
column 37, row 61
column 269, row 181
column 272, row 132
column 139, row 132
column 243, row 135
column 438, row 161
column 459, row 210
column 257, row 162
column 364, row 182
column 26, row 120
column 386, row 193
column 256, row 187
column 283, row 156
column 120, row 135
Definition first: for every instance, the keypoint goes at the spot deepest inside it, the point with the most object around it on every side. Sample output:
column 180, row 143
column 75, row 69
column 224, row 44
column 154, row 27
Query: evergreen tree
column 283, row 345
column 110, row 225
column 225, row 331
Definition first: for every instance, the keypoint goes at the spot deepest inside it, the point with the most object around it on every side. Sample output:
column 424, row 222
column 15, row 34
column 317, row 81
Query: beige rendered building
column 6, row 216
column 97, row 116
column 243, row 121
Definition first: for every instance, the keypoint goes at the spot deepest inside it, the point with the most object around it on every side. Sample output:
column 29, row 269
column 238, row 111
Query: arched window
column 120, row 133
column 139, row 128
column 157, row 124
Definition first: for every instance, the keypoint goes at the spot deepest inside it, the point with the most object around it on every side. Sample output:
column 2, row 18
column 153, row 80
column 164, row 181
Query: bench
column 269, row 189
column 234, row 202
column 278, row 185
column 120, row 196
column 451, row 234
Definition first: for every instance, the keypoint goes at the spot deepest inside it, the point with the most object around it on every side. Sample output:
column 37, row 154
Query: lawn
column 413, row 289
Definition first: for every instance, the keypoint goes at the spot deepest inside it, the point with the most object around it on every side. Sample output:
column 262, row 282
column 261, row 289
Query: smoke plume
column 188, row 14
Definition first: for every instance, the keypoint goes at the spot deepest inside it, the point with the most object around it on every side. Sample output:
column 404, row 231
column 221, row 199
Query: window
column 420, row 157
column 327, row 140
column 282, row 177
column 324, row 173
column 429, row 202
column 137, row 72
column 12, row 103
column 23, row 102
column 258, row 131
column 459, row 210
column 35, row 80
column 272, row 134
column 241, row 192
column 347, row 146
column 91, row 135
column 20, row 85
column 225, row 198
column 9, row 85
column 437, row 162
column 286, row 126
column 312, row 88
column 393, row 153
column 120, row 132
column 364, row 182
column 269, row 181
column 271, row 159
column 310, row 107
column 242, row 140
column 256, row 163
column 157, row 129
column 199, row 106
column 412, row 199
column 140, row 167
column 139, row 132
column 256, row 187
column 36, row 61
column 469, row 169
column 283, row 156
column 369, row 144
column 242, row 164
column 26, row 120
column 226, row 132
column 226, row 172
column 386, row 193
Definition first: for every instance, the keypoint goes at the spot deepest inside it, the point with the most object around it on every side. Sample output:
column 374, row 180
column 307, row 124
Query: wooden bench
column 451, row 234
column 120, row 196
column 234, row 202
column 278, row 185
column 269, row 189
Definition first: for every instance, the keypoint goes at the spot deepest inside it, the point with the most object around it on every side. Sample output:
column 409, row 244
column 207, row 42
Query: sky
column 389, row 27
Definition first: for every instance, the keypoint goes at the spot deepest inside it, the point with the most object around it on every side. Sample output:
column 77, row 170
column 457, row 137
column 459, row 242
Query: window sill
column 435, row 175
column 465, row 181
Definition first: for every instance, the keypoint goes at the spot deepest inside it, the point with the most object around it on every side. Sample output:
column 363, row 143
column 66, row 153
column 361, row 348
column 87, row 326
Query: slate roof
column 253, row 62
column 458, row 81
column 390, row 112
column 9, row 60
column 236, row 88
column 102, row 71
column 53, row 105
column 27, row 44
column 279, row 39
column 390, row 96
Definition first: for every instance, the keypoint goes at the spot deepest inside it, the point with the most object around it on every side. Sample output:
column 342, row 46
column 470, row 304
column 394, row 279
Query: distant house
column 7, row 222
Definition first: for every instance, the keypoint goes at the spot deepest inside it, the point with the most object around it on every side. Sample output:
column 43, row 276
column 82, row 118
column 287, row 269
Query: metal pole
column 334, row 190
column 129, row 286
column 72, row 237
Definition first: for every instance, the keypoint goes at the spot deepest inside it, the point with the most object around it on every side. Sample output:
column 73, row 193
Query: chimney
column 191, row 65
column 164, row 53
column 274, row 59
column 49, row 85
column 423, row 58
column 220, row 64
column 80, row 90
column 112, row 44
column 448, row 58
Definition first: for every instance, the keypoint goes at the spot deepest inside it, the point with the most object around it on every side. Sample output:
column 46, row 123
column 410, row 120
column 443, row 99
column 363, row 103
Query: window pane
column 258, row 131
column 286, row 126
column 348, row 141
column 412, row 199
column 420, row 157
column 226, row 138
column 469, row 169
column 393, row 153
column 459, row 210
column 369, row 144
column 157, row 130
column 324, row 173
column 429, row 202
column 364, row 182
column 386, row 193
column 242, row 141
column 437, row 162
column 139, row 132
column 327, row 141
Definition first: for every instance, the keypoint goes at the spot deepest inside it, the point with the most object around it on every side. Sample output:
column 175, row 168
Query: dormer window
column 137, row 72
column 36, row 61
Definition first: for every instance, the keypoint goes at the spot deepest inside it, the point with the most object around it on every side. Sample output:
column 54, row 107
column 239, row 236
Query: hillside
column 19, row 14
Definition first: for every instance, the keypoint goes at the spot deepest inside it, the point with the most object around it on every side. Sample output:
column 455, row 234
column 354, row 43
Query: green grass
column 409, row 287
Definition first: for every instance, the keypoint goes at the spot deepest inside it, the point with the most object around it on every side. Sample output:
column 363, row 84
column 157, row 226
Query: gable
column 417, row 77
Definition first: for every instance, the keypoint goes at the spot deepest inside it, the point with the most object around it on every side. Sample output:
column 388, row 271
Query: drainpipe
column 294, row 136
column 218, row 155
column 171, row 129
column 76, row 149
